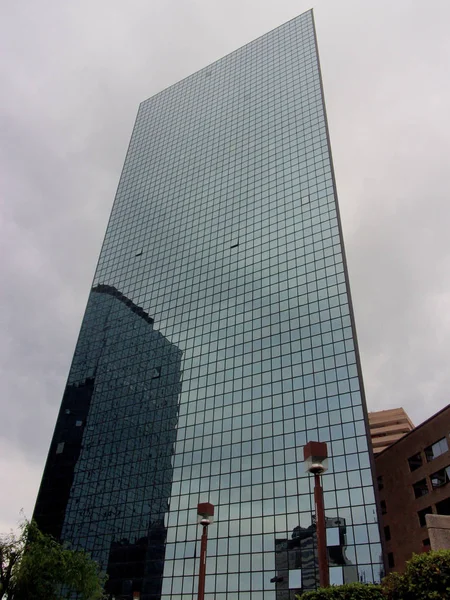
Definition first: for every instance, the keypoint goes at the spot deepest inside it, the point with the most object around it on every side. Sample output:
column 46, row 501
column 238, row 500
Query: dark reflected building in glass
column 297, row 564
column 225, row 229
column 107, row 482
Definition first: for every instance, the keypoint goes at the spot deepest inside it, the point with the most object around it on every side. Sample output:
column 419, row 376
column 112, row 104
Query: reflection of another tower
column 63, row 456
column 138, row 566
column 107, row 481
column 296, row 561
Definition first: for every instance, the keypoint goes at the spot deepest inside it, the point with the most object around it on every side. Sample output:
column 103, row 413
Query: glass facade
column 218, row 339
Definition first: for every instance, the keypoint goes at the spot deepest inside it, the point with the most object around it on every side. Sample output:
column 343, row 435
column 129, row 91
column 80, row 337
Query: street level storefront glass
column 218, row 340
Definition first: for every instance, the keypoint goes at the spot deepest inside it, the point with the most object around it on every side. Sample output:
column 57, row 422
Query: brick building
column 413, row 480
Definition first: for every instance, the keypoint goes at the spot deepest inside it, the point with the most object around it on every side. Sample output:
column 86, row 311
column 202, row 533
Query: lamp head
column 205, row 513
column 315, row 455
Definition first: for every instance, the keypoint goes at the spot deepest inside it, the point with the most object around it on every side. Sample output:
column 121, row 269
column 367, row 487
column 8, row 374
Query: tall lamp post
column 315, row 455
column 205, row 512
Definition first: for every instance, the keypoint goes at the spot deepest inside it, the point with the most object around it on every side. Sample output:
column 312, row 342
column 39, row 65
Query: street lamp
column 315, row 455
column 205, row 512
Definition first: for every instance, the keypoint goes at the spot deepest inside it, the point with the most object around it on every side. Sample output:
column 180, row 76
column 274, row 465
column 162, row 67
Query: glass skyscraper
column 218, row 339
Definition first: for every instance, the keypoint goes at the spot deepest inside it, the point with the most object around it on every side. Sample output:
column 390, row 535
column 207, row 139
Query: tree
column 35, row 566
column 426, row 577
column 11, row 551
column 349, row 591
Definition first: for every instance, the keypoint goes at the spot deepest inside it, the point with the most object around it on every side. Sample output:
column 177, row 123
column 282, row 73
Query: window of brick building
column 421, row 514
column 420, row 488
column 415, row 462
column 443, row 507
column 436, row 449
column 440, row 478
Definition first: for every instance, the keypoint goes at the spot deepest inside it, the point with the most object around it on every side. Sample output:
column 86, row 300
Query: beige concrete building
column 438, row 531
column 388, row 426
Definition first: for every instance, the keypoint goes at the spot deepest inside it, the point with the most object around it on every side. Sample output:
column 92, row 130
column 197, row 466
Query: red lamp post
column 316, row 462
column 205, row 512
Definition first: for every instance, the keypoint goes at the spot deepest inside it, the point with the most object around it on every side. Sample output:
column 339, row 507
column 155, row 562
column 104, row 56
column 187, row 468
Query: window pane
column 440, row 478
column 420, row 488
column 436, row 449
column 421, row 514
column 443, row 507
column 415, row 461
column 295, row 579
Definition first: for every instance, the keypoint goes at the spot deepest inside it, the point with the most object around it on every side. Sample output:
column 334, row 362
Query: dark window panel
column 421, row 514
column 420, row 488
column 415, row 462
column 443, row 507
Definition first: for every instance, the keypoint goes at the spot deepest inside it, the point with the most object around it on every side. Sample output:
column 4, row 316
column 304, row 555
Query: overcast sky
column 72, row 75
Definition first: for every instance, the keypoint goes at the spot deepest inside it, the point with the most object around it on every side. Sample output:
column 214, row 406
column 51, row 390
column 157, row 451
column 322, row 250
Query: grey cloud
column 72, row 77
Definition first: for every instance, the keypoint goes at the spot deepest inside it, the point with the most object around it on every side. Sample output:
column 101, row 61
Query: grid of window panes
column 225, row 231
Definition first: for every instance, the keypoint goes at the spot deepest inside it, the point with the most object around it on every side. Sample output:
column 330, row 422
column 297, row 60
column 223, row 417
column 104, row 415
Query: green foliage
column 44, row 569
column 426, row 577
column 349, row 591
column 11, row 551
